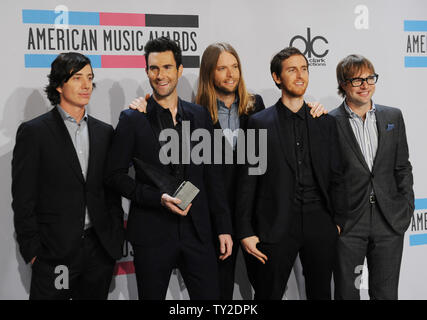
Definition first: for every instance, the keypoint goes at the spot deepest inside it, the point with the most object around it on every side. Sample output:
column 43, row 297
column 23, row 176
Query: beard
column 226, row 91
column 294, row 92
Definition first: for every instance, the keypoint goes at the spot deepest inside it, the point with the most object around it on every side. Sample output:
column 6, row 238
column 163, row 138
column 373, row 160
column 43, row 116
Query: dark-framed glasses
column 357, row 82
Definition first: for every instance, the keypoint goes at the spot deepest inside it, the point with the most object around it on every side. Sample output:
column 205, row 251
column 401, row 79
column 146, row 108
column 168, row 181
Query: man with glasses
column 379, row 182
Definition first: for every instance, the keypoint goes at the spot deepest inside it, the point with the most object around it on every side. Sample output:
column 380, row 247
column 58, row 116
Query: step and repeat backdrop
column 392, row 34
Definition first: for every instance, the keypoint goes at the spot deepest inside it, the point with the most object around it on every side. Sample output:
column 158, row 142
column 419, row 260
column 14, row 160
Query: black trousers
column 373, row 238
column 227, row 271
column 87, row 277
column 313, row 235
column 196, row 261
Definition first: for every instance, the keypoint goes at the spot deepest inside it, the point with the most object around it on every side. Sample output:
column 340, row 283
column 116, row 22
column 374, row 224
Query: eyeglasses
column 357, row 82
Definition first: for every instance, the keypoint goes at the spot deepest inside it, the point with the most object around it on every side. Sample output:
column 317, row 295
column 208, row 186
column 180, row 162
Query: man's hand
column 140, row 104
column 33, row 260
column 225, row 246
column 249, row 244
column 317, row 109
column 171, row 203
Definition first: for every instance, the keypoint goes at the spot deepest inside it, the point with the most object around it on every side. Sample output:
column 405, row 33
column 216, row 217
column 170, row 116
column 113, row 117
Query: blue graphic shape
column 416, row 62
column 415, row 25
column 45, row 60
column 418, row 239
column 75, row 18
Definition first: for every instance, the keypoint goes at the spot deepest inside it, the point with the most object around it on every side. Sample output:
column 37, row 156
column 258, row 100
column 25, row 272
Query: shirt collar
column 66, row 116
column 289, row 114
column 352, row 114
column 221, row 104
column 301, row 112
column 179, row 113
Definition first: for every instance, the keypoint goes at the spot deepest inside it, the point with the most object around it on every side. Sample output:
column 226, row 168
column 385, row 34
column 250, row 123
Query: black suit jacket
column 50, row 193
column 149, row 223
column 391, row 176
column 265, row 202
column 230, row 171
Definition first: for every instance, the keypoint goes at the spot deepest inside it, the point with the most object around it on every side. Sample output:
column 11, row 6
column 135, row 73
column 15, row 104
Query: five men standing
column 336, row 187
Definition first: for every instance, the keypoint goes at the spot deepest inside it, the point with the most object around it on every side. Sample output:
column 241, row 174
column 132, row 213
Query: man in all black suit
column 379, row 178
column 297, row 205
column 162, row 235
column 64, row 215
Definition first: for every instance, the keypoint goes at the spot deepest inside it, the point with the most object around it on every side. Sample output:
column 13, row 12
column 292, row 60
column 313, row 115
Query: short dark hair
column 276, row 62
column 163, row 44
column 62, row 69
column 351, row 66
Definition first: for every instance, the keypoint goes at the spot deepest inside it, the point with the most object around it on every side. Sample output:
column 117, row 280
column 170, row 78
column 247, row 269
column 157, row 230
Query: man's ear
column 180, row 69
column 59, row 89
column 276, row 78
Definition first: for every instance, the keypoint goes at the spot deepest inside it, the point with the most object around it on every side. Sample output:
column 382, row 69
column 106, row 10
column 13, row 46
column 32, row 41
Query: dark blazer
column 50, row 193
column 149, row 223
column 391, row 176
column 230, row 171
column 265, row 202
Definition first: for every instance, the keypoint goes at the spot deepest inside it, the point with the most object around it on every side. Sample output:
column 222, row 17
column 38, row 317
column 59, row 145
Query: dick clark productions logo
column 314, row 56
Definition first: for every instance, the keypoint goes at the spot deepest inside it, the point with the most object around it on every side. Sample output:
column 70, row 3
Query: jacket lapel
column 188, row 116
column 316, row 144
column 217, row 125
column 281, row 132
column 152, row 119
column 381, row 126
column 243, row 120
column 93, row 143
column 64, row 142
column 344, row 123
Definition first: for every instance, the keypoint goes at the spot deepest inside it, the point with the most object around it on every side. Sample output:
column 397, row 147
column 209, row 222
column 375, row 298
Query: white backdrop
column 257, row 29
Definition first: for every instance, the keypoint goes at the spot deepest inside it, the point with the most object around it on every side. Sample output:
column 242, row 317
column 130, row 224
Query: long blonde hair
column 206, row 94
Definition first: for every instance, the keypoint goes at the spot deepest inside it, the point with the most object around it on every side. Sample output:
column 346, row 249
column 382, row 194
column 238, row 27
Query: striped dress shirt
column 366, row 133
